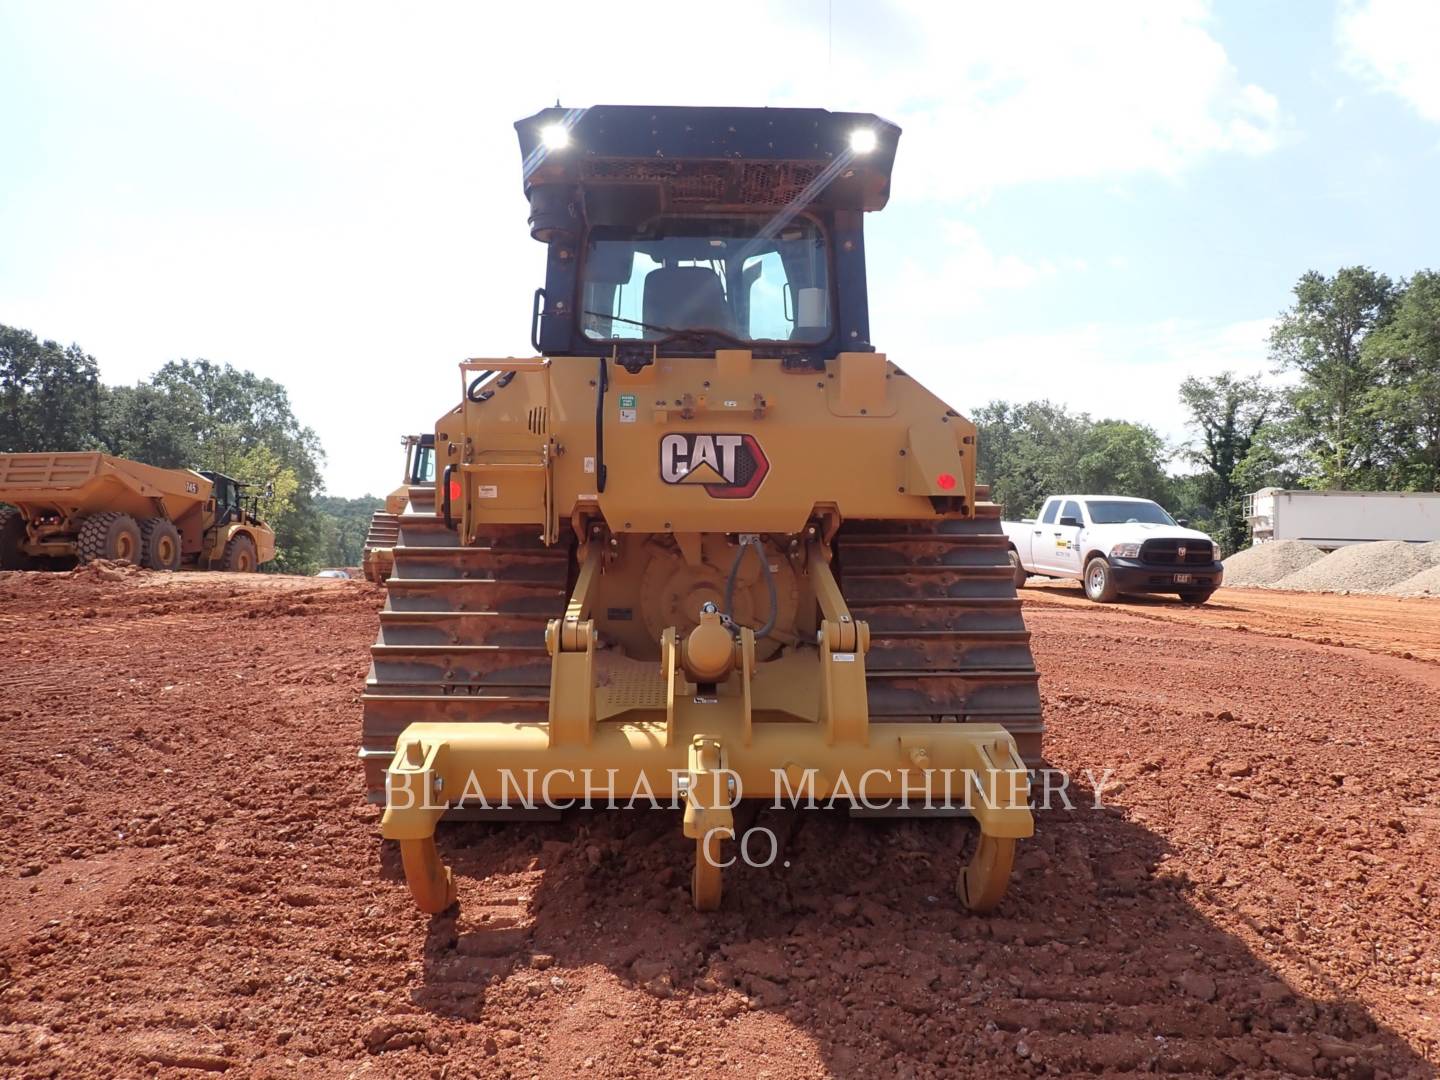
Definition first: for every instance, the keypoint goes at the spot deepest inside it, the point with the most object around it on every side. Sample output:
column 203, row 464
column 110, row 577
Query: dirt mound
column 105, row 570
column 1265, row 564
column 1372, row 567
column 1425, row 583
column 193, row 885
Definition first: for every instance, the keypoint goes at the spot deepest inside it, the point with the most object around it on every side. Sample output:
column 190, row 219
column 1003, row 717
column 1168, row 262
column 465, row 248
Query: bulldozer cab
column 420, row 459
column 683, row 230
column 233, row 503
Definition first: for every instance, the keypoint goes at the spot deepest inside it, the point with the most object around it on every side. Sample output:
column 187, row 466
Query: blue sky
column 1091, row 201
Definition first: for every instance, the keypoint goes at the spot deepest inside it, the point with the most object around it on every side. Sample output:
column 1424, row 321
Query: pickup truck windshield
column 739, row 276
column 1118, row 512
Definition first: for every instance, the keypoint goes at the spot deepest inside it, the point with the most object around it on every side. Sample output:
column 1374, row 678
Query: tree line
column 190, row 414
column 1361, row 412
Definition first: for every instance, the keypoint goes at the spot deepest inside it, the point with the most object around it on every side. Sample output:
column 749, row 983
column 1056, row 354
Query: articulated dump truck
column 708, row 543
column 68, row 508
column 416, row 494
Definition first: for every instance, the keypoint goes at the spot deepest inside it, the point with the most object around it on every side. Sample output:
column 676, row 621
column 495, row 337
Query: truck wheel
column 239, row 555
column 159, row 544
column 1020, row 575
column 12, row 535
column 1100, row 582
column 111, row 536
column 1196, row 596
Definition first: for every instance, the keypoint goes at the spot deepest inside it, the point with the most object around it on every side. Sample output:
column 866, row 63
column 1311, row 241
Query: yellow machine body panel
column 86, row 483
column 698, row 444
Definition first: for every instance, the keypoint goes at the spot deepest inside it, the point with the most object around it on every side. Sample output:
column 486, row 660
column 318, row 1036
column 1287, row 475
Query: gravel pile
column 1265, row 564
column 1426, row 582
column 1373, row 567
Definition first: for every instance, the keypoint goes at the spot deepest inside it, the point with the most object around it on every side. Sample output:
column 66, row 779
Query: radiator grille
column 1167, row 552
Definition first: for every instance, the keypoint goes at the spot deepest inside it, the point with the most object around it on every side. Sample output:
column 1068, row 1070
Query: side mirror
column 1184, row 523
column 1072, row 522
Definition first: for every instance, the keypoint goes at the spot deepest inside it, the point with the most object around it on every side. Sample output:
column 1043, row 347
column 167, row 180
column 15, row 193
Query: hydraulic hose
column 602, row 384
column 764, row 631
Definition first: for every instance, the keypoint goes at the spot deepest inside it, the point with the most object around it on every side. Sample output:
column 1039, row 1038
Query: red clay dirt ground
column 191, row 883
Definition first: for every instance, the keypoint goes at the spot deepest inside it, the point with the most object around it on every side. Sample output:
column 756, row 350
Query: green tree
column 1231, row 415
column 1025, row 452
column 1030, row 451
column 344, row 523
column 160, row 426
column 1117, row 457
column 49, row 394
column 1321, row 336
column 1404, row 353
column 250, row 432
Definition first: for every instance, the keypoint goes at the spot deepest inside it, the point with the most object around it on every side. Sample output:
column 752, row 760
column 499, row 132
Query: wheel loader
column 709, row 542
column 68, row 508
column 418, row 490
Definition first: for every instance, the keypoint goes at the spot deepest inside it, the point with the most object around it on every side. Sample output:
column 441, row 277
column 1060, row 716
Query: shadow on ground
column 1097, row 961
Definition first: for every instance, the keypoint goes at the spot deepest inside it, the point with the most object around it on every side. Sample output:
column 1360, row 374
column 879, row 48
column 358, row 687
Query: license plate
column 1183, row 579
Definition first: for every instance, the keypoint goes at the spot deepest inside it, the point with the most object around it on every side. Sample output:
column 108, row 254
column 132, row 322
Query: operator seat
column 686, row 297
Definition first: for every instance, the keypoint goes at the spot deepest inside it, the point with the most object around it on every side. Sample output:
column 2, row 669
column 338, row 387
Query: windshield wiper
column 635, row 322
column 672, row 332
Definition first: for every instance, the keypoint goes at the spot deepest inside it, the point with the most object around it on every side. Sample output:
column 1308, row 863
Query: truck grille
column 1166, row 552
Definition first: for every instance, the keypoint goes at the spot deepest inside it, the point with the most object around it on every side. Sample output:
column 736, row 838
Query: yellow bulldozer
column 415, row 494
column 67, row 508
column 708, row 543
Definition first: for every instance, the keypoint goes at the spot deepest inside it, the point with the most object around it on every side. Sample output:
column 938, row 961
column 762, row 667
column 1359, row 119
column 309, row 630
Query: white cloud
column 1002, row 94
column 1393, row 45
column 966, row 270
column 1111, row 371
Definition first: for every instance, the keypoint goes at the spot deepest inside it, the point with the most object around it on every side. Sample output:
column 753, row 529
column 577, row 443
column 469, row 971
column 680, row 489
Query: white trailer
column 1332, row 519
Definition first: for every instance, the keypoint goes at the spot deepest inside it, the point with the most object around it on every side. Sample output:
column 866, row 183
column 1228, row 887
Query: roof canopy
column 699, row 159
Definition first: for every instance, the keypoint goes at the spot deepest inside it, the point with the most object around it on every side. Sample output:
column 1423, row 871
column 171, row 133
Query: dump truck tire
column 239, row 556
column 111, row 536
column 12, row 535
column 159, row 544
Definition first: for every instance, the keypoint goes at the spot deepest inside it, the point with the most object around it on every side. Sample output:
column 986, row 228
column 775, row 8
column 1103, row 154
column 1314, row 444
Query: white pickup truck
column 1113, row 545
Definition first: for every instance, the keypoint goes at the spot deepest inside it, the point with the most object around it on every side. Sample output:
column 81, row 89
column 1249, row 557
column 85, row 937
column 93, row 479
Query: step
column 886, row 553
column 928, row 585
column 942, row 651
column 453, row 628
column 973, row 695
column 971, row 614
column 482, row 563
column 475, row 595
column 454, row 668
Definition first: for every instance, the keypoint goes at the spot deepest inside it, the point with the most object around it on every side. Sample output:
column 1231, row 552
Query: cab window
column 742, row 277
column 1050, row 508
column 1072, row 510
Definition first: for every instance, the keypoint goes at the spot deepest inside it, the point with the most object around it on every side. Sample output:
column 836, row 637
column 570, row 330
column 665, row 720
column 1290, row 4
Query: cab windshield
column 740, row 278
column 1120, row 512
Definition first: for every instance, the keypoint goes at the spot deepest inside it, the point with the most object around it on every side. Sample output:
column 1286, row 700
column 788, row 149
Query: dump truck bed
column 83, row 483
